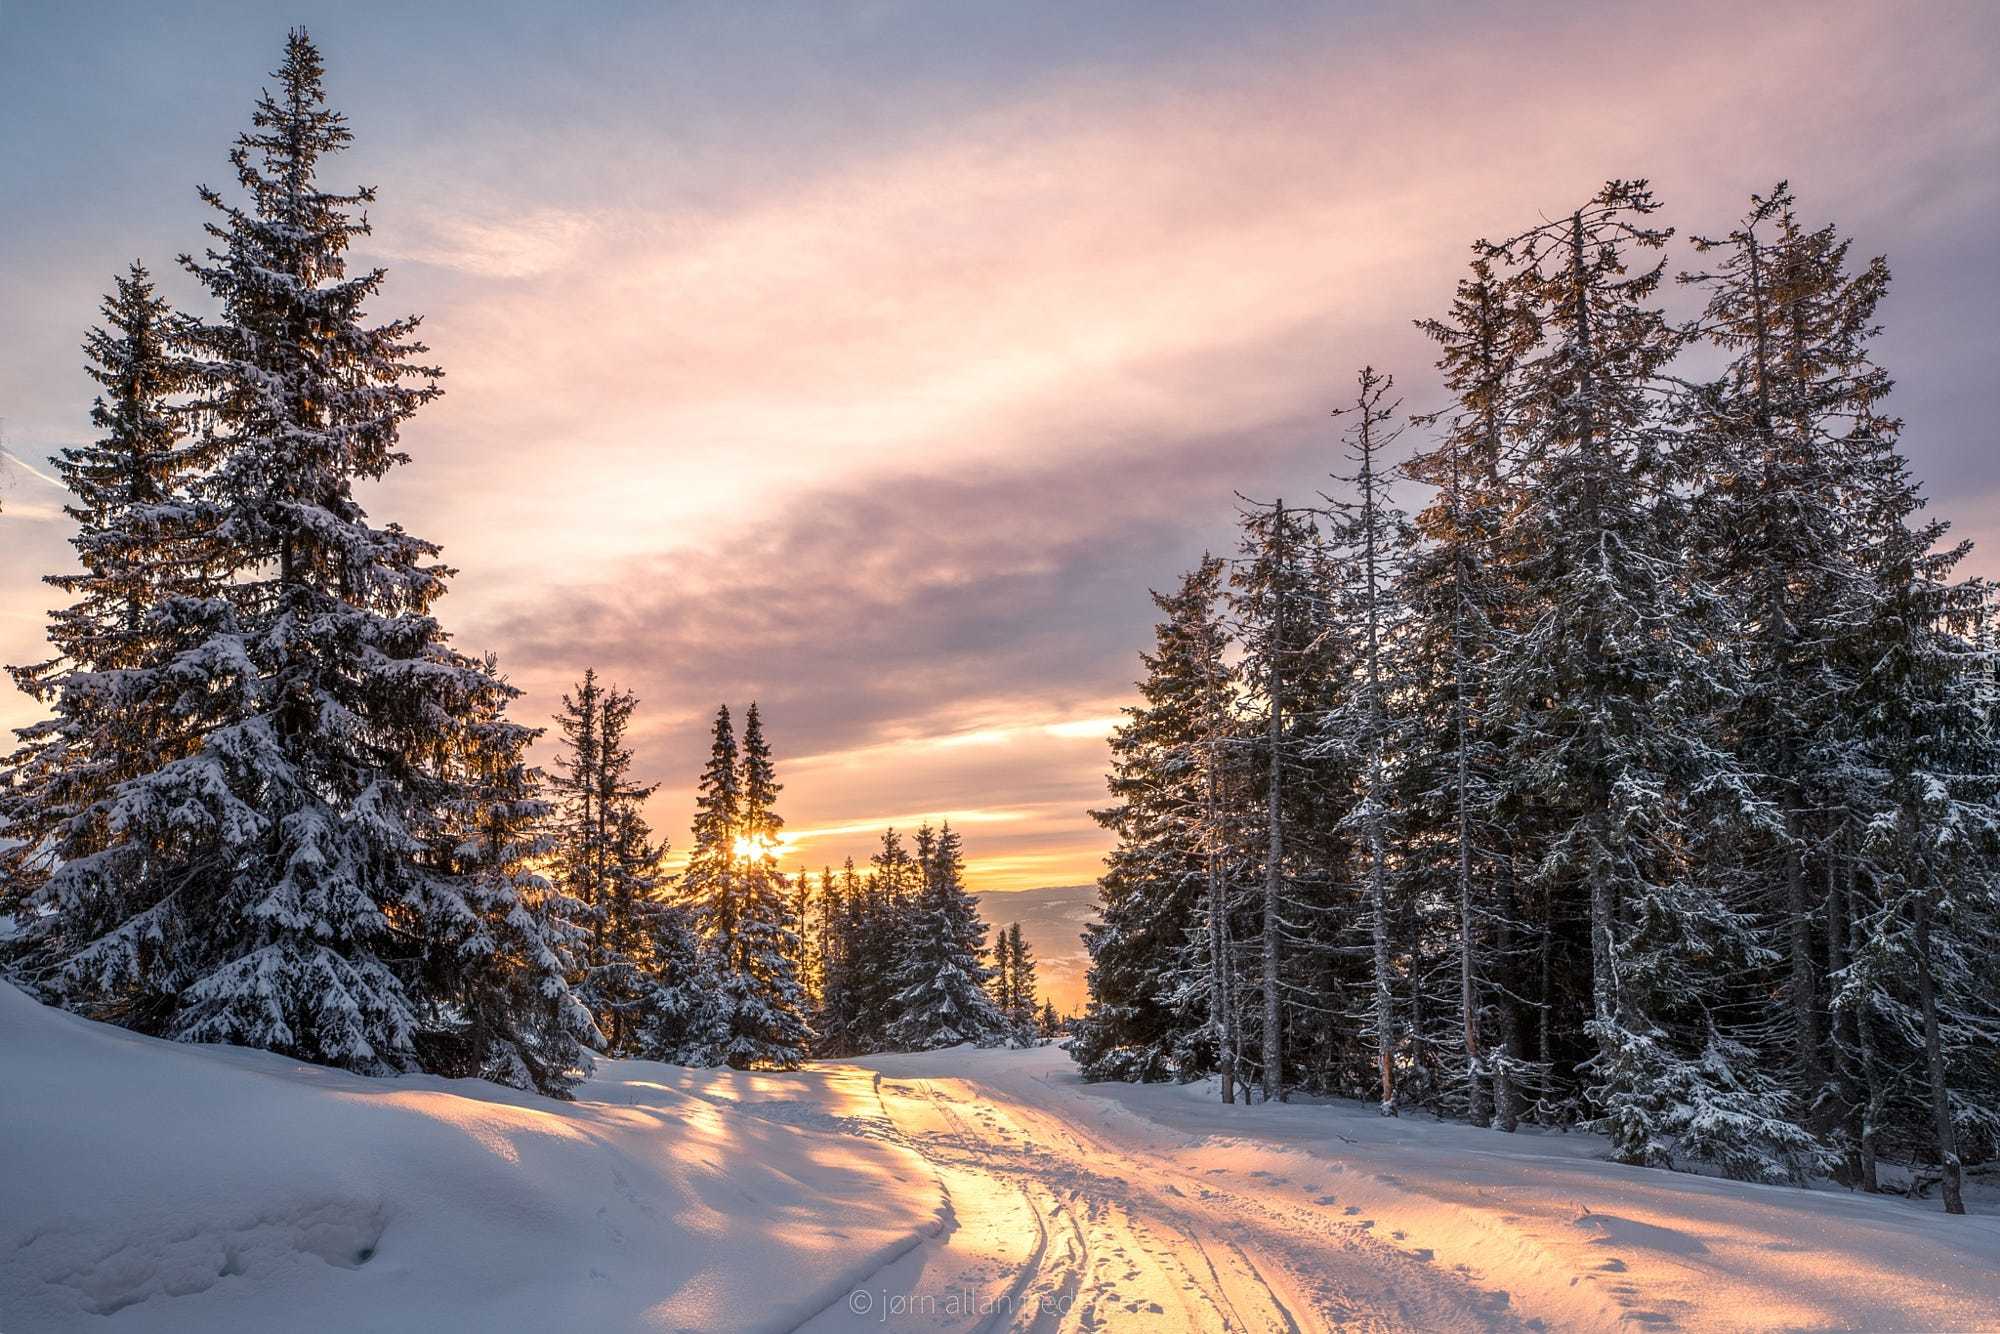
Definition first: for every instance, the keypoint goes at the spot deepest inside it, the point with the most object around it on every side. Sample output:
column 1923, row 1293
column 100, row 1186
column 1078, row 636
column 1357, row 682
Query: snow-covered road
column 1075, row 1207
column 1064, row 1215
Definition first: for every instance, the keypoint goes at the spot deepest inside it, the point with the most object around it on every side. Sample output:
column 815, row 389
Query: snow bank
column 149, row 1185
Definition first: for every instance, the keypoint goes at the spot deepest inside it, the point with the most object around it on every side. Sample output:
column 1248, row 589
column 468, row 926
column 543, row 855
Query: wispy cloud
column 496, row 243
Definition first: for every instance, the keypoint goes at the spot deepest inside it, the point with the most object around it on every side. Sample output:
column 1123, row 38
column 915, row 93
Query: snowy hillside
column 148, row 1186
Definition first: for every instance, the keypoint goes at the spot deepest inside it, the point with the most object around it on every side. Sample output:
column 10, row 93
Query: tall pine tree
column 293, row 850
column 1165, row 759
column 95, row 930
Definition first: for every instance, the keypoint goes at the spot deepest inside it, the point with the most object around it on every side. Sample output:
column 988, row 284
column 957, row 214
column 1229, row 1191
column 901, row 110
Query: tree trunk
column 1275, row 855
column 1841, row 1027
column 1377, row 797
column 1468, row 999
column 1218, row 994
column 1513, row 1031
column 1871, row 1116
column 1545, row 1051
column 1804, row 987
column 1940, row 1097
column 1603, row 950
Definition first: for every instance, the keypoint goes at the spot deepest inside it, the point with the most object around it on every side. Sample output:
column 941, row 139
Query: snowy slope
column 200, row 1188
column 147, row 1186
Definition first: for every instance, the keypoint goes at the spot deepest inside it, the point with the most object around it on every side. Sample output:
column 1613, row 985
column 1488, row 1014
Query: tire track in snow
column 1130, row 1234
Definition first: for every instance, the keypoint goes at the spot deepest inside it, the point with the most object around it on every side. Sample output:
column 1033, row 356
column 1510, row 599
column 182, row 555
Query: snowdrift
column 156, row 1186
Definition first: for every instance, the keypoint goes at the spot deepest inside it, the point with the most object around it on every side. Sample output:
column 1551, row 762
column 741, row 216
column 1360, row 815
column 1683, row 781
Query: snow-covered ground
column 146, row 1186
column 151, row 1186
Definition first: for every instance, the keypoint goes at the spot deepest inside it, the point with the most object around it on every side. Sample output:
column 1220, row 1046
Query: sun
column 750, row 848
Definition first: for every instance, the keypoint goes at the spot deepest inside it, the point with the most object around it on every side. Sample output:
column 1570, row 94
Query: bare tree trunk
column 1378, row 888
column 1468, row 997
column 1804, row 986
column 1385, row 1003
column 1232, row 1010
column 1218, row 998
column 1219, row 1017
column 1603, row 952
column 1871, row 1116
column 1275, row 855
column 1841, row 1023
column 1947, row 1135
column 1545, row 995
column 1513, row 1036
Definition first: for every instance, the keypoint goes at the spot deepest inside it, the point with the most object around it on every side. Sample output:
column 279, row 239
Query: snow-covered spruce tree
column 887, row 911
column 1925, row 907
column 95, row 929
column 768, row 1023
column 758, row 1017
column 1295, row 671
column 1617, row 678
column 630, row 977
column 498, row 971
column 1366, row 540
column 579, row 839
column 300, row 836
column 806, row 965
column 867, row 929
column 604, row 855
column 1208, row 976
column 825, row 929
column 1162, row 758
column 846, row 1022
column 708, row 883
column 1456, row 822
column 1777, row 539
column 620, row 979
column 676, row 1018
column 834, row 1020
column 941, row 977
column 1002, row 985
column 1022, row 1017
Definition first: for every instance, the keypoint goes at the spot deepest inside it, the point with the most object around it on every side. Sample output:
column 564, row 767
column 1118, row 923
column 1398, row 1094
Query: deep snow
column 148, row 1186
column 210, row 1189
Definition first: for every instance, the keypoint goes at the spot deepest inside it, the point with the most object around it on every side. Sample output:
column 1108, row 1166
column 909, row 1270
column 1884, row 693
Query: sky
column 872, row 361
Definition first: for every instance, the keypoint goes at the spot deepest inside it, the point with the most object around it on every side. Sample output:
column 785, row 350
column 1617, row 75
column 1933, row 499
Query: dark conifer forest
column 1642, row 779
